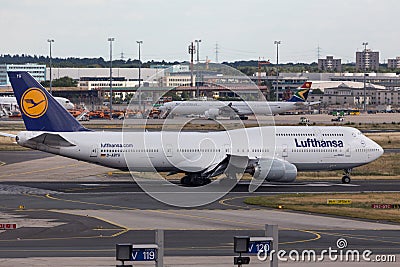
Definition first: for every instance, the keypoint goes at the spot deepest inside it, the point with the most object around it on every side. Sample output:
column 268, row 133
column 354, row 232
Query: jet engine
column 212, row 113
column 275, row 170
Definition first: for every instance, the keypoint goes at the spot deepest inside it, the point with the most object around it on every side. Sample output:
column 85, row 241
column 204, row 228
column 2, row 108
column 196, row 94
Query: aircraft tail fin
column 301, row 94
column 40, row 111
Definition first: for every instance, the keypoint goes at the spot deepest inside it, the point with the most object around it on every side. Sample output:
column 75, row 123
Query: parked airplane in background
column 11, row 102
column 268, row 153
column 212, row 109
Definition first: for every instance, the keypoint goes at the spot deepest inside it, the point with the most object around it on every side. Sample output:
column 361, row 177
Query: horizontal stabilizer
column 7, row 135
column 54, row 140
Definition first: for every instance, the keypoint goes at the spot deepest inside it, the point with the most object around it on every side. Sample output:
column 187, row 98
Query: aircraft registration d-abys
column 270, row 153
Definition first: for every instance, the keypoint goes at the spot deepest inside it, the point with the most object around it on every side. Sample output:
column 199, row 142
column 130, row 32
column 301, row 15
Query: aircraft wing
column 230, row 163
column 228, row 109
column 53, row 140
column 312, row 103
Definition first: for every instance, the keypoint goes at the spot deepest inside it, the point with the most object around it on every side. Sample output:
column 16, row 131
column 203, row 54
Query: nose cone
column 380, row 150
column 377, row 150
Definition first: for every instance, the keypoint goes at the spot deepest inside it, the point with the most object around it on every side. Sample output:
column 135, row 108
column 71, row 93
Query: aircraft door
column 284, row 151
column 318, row 134
column 168, row 150
column 227, row 149
column 348, row 151
column 93, row 152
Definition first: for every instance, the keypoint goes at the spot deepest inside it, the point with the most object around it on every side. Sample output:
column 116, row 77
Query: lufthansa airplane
column 212, row 109
column 268, row 153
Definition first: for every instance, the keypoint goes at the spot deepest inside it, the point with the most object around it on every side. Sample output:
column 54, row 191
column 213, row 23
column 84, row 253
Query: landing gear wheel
column 346, row 179
column 189, row 180
column 206, row 181
column 185, row 180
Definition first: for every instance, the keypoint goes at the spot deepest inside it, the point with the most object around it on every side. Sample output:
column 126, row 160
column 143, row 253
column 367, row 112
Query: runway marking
column 368, row 238
column 2, row 163
column 30, row 195
column 317, row 236
column 84, row 189
column 121, row 230
column 88, row 203
column 125, row 229
column 222, row 202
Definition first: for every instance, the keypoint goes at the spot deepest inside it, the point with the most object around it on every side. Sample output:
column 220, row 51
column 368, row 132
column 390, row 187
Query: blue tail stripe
column 49, row 115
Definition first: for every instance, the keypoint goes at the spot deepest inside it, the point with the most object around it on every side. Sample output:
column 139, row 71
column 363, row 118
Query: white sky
column 244, row 29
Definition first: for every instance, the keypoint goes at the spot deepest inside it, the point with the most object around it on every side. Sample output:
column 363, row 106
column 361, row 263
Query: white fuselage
column 308, row 148
column 242, row 107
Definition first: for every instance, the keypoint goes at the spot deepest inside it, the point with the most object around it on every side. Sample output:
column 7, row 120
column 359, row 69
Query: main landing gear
column 194, row 179
column 346, row 176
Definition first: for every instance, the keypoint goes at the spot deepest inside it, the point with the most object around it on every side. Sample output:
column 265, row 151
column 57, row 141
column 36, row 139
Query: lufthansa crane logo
column 34, row 103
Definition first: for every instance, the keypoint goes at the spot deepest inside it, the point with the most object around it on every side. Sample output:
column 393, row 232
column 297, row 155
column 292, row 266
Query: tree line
column 74, row 62
column 249, row 67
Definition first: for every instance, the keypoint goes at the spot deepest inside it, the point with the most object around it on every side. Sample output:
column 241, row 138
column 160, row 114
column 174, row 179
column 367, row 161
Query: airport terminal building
column 37, row 71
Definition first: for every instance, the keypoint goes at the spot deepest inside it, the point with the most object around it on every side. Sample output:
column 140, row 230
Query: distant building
column 147, row 74
column 96, row 83
column 394, row 63
column 37, row 71
column 367, row 59
column 330, row 64
column 178, row 80
column 121, row 86
column 351, row 95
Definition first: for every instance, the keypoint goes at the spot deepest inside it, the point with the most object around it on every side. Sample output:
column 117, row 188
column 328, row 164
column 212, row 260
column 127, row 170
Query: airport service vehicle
column 212, row 109
column 11, row 102
column 268, row 153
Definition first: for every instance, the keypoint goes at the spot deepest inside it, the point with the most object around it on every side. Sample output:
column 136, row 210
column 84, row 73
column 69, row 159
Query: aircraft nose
column 380, row 150
column 377, row 150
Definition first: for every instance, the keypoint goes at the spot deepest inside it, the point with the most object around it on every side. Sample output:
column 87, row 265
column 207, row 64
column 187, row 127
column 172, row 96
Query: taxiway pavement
column 87, row 216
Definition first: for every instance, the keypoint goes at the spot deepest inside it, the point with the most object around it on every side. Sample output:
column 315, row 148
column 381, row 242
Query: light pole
column 198, row 49
column 197, row 68
column 111, row 39
column 51, row 76
column 365, row 69
column 192, row 50
column 140, row 75
column 277, row 43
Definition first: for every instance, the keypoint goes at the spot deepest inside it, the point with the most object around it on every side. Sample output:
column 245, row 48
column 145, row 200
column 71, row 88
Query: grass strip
column 317, row 203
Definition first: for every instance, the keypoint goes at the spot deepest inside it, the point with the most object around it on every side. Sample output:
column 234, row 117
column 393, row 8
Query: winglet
column 40, row 111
